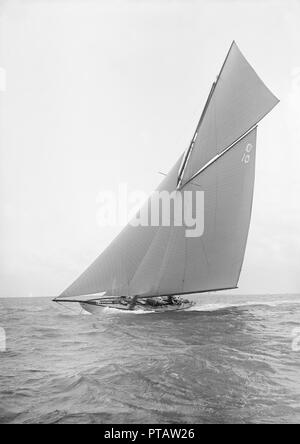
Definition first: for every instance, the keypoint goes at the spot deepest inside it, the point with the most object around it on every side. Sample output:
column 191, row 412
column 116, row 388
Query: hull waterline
column 98, row 309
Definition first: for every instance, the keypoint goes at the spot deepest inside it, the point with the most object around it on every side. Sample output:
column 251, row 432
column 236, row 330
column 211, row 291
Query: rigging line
column 68, row 308
column 217, row 157
column 196, row 185
column 178, row 293
column 187, row 292
column 188, row 128
column 188, row 152
column 165, row 174
column 225, row 61
column 214, row 86
column 192, row 144
column 180, row 185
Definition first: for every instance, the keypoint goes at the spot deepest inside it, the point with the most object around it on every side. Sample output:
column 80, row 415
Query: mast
column 191, row 146
column 214, row 159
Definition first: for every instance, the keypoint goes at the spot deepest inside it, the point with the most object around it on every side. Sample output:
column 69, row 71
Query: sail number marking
column 246, row 156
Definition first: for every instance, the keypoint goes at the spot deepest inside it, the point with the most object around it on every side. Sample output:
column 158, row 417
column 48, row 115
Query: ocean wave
column 239, row 365
column 225, row 305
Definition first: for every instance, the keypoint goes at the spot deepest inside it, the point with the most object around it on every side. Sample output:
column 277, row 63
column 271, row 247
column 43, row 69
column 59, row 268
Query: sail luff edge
column 192, row 143
column 217, row 157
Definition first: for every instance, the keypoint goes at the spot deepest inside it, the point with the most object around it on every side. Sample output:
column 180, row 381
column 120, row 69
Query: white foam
column 131, row 312
column 221, row 306
column 86, row 313
column 203, row 307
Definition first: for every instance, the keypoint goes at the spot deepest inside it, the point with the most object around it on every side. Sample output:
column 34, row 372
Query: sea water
column 230, row 359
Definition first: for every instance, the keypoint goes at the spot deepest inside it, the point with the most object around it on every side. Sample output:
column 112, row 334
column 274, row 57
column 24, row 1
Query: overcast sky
column 102, row 92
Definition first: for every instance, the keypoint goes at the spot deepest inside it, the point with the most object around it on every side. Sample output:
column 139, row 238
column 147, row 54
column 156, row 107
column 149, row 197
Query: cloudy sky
column 94, row 93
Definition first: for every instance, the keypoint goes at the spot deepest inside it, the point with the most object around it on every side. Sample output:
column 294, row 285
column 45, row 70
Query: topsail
column 237, row 102
column 162, row 260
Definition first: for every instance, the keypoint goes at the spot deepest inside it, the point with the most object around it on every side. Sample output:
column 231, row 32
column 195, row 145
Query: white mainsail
column 162, row 260
column 237, row 102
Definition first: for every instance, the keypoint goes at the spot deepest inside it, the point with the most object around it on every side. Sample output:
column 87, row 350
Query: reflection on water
column 230, row 359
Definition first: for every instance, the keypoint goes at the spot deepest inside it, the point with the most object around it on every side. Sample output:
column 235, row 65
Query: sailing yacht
column 156, row 267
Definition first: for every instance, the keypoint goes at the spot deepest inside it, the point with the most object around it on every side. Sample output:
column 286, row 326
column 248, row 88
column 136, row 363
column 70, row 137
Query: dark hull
column 98, row 308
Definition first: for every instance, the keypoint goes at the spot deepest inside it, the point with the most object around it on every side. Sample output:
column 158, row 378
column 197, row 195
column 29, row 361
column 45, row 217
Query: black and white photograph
column 149, row 214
